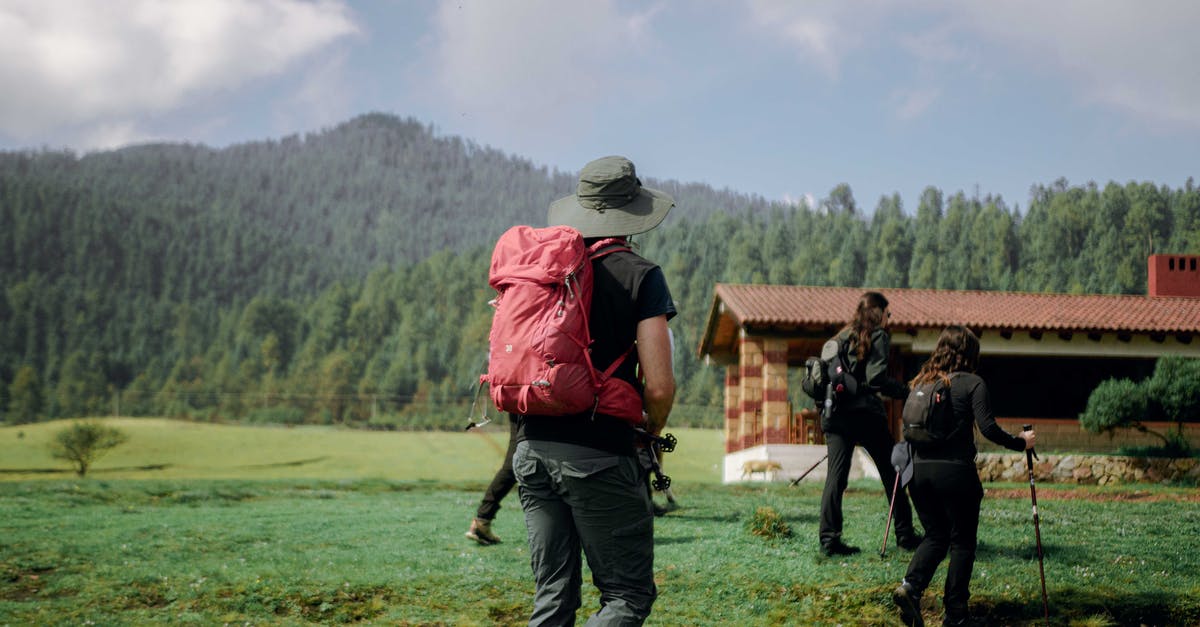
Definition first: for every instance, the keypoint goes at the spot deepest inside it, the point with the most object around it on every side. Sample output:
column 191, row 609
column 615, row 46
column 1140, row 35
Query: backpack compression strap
column 597, row 251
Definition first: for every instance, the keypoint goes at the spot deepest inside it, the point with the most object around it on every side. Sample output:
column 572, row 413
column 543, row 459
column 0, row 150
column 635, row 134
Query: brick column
column 733, row 408
column 776, row 422
column 751, row 374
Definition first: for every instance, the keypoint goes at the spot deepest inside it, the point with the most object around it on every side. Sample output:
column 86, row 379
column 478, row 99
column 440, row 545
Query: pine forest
column 340, row 277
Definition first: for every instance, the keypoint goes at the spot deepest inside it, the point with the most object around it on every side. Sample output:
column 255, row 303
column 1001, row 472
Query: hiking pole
column 888, row 526
column 1030, row 455
column 797, row 480
column 665, row 444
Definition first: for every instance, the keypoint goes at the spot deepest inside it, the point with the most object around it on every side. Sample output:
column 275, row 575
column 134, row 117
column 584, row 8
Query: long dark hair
column 957, row 350
column 867, row 317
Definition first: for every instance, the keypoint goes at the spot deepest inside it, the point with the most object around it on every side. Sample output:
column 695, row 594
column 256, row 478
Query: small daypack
column 539, row 347
column 928, row 415
column 828, row 379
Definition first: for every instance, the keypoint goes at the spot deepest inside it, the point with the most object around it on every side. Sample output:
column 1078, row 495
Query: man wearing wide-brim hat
column 583, row 484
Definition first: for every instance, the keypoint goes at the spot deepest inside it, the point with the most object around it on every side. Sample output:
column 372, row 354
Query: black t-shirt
column 626, row 289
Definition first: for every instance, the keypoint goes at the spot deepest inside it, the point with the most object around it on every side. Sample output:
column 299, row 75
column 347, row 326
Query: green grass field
column 169, row 449
column 241, row 533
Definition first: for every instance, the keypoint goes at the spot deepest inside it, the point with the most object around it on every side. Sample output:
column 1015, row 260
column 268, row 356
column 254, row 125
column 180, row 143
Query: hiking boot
column 909, row 602
column 909, row 541
column 481, row 532
column 837, row 547
column 960, row 617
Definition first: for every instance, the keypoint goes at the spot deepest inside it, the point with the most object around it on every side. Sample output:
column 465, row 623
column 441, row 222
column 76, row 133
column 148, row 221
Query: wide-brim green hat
column 610, row 202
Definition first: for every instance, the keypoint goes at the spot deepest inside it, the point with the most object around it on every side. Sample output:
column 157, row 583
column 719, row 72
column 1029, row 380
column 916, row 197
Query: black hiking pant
column 868, row 430
column 947, row 495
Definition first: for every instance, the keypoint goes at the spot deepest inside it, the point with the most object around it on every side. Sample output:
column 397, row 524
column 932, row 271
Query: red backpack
column 539, row 358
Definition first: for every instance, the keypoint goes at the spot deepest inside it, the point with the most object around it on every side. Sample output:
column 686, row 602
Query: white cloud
column 818, row 32
column 1131, row 56
column 910, row 104
column 1135, row 57
column 807, row 200
column 102, row 66
column 535, row 67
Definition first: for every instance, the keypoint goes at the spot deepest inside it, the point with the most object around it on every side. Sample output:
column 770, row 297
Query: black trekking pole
column 1030, row 455
column 797, row 480
column 664, row 444
column 887, row 527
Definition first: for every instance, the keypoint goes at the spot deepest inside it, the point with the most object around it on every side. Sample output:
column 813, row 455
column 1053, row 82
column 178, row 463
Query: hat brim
column 643, row 213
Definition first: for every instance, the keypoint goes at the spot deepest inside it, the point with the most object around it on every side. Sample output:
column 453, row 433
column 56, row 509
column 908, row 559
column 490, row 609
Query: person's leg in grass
column 933, row 511
column 502, row 483
column 965, row 495
column 841, row 453
column 878, row 443
column 554, row 546
column 613, row 516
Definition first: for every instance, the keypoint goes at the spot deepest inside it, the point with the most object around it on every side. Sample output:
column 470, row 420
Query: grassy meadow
column 170, row 449
column 212, row 524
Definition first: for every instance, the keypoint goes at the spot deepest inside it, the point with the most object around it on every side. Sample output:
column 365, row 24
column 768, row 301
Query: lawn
column 275, row 548
column 171, row 449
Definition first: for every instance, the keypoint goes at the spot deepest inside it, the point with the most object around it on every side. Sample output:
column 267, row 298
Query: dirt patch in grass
column 22, row 584
column 1127, row 496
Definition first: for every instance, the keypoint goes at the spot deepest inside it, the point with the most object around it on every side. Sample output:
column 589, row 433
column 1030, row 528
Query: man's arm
column 654, row 357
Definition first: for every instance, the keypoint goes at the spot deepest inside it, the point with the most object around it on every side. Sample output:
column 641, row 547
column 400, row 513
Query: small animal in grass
column 766, row 467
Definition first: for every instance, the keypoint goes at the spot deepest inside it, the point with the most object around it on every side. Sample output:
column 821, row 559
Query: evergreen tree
column 923, row 269
column 26, row 399
column 889, row 254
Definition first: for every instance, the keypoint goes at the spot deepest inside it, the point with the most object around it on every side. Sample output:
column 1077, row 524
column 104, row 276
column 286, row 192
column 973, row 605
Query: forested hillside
column 341, row 276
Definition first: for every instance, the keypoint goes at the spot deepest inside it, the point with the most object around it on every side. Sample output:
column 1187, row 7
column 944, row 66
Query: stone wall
column 1087, row 469
column 1063, row 435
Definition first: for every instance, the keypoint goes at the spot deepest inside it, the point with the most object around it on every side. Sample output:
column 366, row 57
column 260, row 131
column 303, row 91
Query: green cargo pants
column 578, row 498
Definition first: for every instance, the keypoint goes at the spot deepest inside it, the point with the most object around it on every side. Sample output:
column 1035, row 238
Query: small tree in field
column 83, row 443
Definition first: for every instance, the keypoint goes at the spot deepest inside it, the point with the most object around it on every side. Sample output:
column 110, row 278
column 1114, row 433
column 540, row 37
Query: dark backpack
column 539, row 358
column 928, row 415
column 828, row 379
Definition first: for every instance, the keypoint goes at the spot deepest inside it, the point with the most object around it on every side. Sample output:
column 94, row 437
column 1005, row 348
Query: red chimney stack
column 1174, row 275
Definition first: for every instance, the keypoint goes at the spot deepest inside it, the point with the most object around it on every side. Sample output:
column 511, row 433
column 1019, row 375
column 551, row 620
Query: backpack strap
column 607, row 246
column 597, row 251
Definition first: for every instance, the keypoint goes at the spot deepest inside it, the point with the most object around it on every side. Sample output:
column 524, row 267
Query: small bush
column 83, row 443
column 767, row 523
column 1115, row 404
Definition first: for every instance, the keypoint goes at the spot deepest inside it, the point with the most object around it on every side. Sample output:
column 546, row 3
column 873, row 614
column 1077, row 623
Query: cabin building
column 1041, row 354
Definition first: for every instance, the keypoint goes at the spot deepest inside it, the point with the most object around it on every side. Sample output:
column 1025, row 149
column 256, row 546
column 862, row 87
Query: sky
column 778, row 98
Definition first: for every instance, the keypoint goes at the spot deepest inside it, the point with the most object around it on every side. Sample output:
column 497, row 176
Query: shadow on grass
column 298, row 462
column 1063, row 553
column 148, row 467
column 714, row 517
column 1071, row 605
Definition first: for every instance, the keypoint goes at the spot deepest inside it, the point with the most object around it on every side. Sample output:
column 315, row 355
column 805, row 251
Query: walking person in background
column 945, row 486
column 861, row 420
column 583, row 478
column 503, row 482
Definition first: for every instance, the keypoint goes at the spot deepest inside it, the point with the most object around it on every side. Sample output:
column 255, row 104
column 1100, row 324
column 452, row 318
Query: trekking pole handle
column 1029, row 452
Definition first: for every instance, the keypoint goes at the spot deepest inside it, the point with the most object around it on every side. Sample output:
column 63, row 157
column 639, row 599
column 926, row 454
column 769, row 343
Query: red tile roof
column 789, row 306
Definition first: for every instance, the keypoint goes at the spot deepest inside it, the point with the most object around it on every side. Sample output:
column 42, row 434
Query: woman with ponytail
column 945, row 486
column 861, row 420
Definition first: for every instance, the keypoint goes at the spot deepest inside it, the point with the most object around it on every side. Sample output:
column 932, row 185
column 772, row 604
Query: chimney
column 1174, row 275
